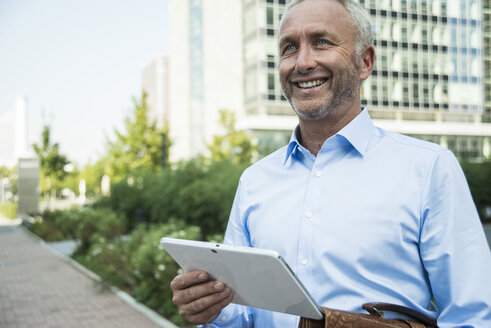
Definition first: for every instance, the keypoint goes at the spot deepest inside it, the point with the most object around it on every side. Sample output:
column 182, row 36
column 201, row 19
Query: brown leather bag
column 346, row 319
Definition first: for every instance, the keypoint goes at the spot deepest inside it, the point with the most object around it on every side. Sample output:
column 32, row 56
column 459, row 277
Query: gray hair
column 360, row 18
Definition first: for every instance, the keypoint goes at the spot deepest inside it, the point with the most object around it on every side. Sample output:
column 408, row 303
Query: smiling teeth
column 310, row 84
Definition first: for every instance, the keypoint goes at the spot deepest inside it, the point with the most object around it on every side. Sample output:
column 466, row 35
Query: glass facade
column 428, row 50
column 196, row 44
column 486, row 21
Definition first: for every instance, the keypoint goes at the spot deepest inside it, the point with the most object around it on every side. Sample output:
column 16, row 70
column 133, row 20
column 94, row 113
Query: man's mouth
column 310, row 84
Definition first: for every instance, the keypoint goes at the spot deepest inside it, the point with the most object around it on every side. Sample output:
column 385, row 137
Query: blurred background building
column 486, row 29
column 431, row 78
column 155, row 83
column 205, row 69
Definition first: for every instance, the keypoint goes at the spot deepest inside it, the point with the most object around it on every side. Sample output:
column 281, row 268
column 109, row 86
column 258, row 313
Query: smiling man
column 360, row 214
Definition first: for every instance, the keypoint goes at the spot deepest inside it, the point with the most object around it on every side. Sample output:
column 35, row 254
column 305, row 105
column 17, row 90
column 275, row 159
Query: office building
column 21, row 145
column 486, row 30
column 205, row 69
column 155, row 83
column 427, row 82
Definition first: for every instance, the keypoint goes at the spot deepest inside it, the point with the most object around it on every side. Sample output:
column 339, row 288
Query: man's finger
column 209, row 313
column 197, row 292
column 188, row 279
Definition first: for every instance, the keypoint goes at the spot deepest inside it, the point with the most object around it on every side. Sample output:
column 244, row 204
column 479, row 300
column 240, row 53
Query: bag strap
column 377, row 308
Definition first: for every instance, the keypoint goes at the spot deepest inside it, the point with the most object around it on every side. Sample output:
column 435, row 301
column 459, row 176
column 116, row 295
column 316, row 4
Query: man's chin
column 311, row 113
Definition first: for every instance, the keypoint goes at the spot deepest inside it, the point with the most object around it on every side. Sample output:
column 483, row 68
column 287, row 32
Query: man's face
column 317, row 66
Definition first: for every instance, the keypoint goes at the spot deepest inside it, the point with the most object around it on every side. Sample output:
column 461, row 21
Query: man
column 359, row 213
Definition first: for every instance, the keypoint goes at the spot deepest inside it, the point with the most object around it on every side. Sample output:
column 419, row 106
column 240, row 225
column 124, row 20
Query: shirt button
column 223, row 319
column 304, row 261
column 318, row 173
column 308, row 214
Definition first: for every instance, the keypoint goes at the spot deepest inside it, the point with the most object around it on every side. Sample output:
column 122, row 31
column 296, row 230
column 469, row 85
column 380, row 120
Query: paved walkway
column 39, row 289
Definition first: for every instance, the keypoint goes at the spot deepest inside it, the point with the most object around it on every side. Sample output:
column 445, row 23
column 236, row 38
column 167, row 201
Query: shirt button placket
column 307, row 227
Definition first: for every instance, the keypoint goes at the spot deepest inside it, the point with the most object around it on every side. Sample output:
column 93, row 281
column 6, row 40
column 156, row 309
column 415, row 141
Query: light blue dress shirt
column 375, row 217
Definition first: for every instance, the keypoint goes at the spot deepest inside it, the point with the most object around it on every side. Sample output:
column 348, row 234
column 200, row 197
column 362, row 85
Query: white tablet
column 258, row 277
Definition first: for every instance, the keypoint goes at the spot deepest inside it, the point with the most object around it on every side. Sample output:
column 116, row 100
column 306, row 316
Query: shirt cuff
column 224, row 319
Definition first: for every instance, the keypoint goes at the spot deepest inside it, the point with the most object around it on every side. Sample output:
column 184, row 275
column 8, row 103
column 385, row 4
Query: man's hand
column 199, row 301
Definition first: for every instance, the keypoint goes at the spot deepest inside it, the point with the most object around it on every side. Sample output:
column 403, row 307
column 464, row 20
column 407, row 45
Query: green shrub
column 155, row 269
column 95, row 226
column 46, row 228
column 9, row 209
column 45, row 231
column 110, row 262
column 199, row 194
column 68, row 222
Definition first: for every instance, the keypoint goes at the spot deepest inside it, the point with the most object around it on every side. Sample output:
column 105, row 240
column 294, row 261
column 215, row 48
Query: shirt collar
column 357, row 132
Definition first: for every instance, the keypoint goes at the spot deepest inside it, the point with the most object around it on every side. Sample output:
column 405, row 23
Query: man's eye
column 288, row 48
column 322, row 42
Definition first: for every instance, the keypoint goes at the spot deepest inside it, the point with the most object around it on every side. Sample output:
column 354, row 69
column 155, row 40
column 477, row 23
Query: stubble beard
column 344, row 90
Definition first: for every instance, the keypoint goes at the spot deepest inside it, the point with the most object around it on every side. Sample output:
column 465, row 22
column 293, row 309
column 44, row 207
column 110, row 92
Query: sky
column 79, row 64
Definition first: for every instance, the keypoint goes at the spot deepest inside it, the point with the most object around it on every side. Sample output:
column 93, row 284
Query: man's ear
column 367, row 61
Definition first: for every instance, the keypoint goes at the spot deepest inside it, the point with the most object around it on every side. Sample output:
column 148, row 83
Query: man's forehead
column 316, row 16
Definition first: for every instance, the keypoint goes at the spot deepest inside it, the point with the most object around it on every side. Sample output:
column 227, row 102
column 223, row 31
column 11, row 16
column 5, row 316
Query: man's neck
column 313, row 133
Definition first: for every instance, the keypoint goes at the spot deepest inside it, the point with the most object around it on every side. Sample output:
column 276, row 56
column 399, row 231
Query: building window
column 426, row 92
column 414, row 61
column 405, row 91
column 414, row 5
column 424, row 34
column 385, row 89
column 403, row 5
column 424, row 7
column 425, row 64
column 374, row 90
column 415, row 92
column 269, row 16
column 271, row 81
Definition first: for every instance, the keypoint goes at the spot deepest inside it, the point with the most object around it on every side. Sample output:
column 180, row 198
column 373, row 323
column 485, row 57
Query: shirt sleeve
column 235, row 316
column 453, row 247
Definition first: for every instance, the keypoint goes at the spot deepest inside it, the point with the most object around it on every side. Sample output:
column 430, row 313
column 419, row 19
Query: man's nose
column 305, row 60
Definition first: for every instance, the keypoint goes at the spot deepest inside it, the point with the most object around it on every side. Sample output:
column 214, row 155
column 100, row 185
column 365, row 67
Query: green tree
column 92, row 174
column 234, row 144
column 51, row 161
column 138, row 147
column 11, row 175
column 479, row 177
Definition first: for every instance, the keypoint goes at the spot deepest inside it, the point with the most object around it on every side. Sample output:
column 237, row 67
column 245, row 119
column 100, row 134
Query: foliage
column 9, row 209
column 156, row 269
column 138, row 147
column 197, row 193
column 72, row 180
column 51, row 161
column 126, row 198
column 95, row 225
column 11, row 175
column 92, row 174
column 479, row 177
column 234, row 144
column 46, row 226
column 85, row 225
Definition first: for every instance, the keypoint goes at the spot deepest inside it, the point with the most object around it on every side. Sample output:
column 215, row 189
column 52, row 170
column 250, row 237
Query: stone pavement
column 40, row 289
